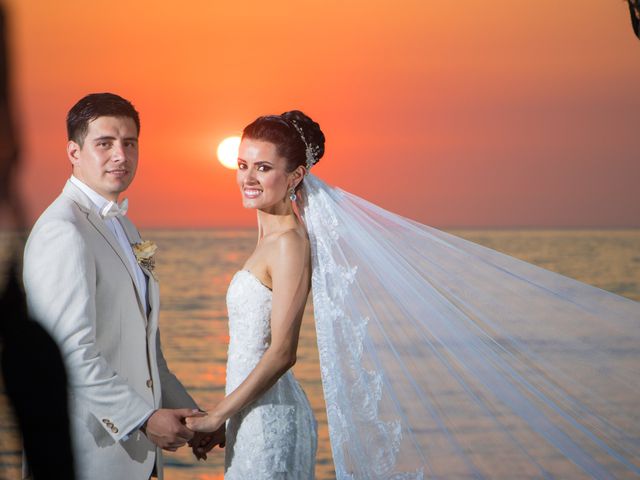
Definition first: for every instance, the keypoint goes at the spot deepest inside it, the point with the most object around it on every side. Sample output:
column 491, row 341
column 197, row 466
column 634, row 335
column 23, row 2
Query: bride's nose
column 250, row 176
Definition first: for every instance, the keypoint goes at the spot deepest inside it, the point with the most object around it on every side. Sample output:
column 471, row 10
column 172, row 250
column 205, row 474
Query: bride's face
column 262, row 176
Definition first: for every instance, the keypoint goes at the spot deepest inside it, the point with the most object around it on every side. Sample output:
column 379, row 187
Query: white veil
column 441, row 358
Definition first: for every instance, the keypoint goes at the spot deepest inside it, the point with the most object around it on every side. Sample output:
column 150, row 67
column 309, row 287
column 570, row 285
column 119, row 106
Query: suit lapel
column 86, row 206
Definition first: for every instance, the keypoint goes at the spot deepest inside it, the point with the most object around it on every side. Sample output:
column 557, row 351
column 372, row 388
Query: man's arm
column 60, row 282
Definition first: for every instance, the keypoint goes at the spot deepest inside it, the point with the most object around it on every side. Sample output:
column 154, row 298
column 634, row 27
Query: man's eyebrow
column 109, row 137
column 104, row 137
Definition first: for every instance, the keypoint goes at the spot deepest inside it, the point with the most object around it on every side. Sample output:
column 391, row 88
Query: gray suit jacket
column 81, row 288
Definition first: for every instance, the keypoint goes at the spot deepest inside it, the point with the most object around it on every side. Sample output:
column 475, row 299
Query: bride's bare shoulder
column 290, row 250
column 294, row 239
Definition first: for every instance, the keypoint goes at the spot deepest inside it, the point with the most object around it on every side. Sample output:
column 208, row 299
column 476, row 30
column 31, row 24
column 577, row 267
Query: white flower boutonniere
column 144, row 252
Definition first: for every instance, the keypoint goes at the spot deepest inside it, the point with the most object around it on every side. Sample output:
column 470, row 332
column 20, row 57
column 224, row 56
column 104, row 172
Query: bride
column 271, row 432
column 440, row 358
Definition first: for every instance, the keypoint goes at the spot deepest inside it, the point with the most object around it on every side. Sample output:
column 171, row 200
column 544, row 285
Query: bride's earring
column 292, row 195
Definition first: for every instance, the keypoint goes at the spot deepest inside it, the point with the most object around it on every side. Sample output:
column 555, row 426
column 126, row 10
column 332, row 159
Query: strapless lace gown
column 276, row 436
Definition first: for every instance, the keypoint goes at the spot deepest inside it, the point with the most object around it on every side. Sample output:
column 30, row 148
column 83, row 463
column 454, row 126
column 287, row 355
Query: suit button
column 105, row 420
column 149, row 383
column 114, row 429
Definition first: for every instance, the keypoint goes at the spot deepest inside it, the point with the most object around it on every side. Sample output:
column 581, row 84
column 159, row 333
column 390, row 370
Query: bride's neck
column 270, row 223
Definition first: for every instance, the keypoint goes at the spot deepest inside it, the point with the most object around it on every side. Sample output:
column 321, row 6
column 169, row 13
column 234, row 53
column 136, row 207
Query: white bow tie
column 112, row 209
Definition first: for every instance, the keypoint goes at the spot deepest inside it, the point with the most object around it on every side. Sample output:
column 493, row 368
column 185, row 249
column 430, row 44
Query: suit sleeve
column 60, row 283
column 174, row 395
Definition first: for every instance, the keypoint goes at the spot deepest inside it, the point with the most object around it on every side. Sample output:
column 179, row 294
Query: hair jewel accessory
column 311, row 151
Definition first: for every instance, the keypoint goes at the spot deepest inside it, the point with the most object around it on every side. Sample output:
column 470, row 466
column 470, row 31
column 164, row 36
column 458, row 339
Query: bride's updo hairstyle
column 296, row 137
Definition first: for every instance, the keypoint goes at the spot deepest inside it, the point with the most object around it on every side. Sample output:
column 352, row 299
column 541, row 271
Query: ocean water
column 195, row 267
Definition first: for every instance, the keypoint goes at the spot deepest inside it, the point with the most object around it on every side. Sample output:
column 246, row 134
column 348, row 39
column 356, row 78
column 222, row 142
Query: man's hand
column 203, row 442
column 165, row 427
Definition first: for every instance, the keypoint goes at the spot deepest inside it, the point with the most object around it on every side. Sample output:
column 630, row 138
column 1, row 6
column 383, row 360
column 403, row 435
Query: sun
column 228, row 152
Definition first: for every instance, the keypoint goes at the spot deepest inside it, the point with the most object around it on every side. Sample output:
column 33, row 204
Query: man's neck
column 107, row 198
column 96, row 198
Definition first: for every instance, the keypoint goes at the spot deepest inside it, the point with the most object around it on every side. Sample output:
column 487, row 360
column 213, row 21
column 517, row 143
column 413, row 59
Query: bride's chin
column 254, row 203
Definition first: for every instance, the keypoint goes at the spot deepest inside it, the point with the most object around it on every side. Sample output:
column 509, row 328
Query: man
column 99, row 300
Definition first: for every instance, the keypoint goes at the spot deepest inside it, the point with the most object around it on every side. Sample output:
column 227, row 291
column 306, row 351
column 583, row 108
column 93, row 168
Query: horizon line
column 439, row 227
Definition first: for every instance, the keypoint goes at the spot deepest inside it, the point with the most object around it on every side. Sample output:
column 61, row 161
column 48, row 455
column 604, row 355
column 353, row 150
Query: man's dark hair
column 97, row 105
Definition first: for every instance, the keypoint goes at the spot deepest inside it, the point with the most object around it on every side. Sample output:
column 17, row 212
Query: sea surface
column 195, row 266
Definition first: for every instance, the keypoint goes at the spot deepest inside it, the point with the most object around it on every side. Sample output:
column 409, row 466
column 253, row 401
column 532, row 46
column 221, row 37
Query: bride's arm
column 290, row 274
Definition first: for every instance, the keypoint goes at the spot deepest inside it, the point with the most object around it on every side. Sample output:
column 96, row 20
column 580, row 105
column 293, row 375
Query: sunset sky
column 493, row 113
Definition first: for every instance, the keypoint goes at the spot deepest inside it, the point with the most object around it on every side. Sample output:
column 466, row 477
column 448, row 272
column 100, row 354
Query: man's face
column 108, row 159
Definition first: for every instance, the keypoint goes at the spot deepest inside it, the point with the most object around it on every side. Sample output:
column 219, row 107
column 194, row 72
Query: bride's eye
column 264, row 168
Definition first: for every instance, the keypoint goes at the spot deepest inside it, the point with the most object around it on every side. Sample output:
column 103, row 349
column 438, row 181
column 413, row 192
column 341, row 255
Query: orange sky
column 493, row 113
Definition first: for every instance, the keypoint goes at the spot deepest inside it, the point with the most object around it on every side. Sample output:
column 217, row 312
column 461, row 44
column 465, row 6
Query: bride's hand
column 209, row 423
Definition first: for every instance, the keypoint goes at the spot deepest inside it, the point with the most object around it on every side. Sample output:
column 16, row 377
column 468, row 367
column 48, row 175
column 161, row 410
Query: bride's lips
column 251, row 192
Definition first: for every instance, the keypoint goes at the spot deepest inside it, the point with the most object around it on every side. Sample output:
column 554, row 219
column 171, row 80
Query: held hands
column 210, row 431
column 166, row 429
column 207, row 422
column 203, row 442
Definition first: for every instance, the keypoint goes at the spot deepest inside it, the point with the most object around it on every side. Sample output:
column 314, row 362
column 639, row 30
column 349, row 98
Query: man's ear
column 73, row 152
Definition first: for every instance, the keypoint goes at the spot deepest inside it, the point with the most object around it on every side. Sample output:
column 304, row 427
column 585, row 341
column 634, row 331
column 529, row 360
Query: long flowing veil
column 441, row 358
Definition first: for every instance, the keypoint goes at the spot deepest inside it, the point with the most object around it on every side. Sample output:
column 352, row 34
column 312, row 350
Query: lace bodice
column 274, row 437
column 249, row 308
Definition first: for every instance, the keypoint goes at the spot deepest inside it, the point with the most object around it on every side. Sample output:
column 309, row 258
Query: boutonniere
column 144, row 252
